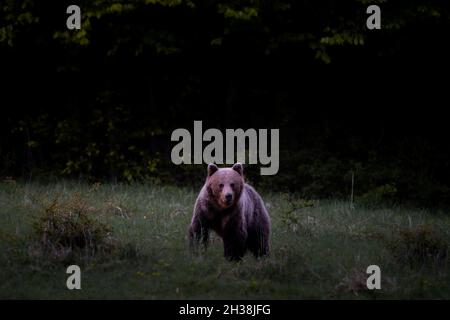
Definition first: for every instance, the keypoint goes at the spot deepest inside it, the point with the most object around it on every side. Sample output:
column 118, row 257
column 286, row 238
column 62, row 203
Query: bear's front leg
column 234, row 244
column 198, row 233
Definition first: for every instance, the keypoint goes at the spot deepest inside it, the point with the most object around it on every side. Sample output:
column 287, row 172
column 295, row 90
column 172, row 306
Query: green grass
column 320, row 249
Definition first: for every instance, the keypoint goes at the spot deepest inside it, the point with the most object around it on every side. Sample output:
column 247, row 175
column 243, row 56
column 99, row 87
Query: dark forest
column 100, row 103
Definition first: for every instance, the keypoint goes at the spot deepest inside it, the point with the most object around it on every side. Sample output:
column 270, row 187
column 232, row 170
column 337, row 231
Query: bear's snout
column 228, row 198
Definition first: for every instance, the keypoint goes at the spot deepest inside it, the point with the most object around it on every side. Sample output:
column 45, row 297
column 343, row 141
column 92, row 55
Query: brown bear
column 234, row 210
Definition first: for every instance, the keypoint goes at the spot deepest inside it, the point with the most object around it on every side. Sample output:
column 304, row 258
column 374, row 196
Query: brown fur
column 241, row 220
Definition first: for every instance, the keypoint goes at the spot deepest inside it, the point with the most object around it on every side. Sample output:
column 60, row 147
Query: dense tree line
column 100, row 103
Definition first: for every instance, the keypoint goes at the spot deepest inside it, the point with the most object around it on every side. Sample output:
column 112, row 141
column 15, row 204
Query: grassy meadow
column 130, row 242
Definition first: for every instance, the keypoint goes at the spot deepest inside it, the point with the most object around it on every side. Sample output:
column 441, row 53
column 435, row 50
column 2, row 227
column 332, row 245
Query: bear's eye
column 221, row 185
column 232, row 185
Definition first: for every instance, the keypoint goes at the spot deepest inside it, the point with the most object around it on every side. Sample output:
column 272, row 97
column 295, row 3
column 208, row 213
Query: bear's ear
column 238, row 168
column 212, row 168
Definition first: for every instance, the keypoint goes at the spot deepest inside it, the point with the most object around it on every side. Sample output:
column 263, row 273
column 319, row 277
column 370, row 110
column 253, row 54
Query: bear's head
column 225, row 185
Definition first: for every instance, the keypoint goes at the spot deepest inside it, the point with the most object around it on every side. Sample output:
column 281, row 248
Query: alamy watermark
column 256, row 150
column 74, row 20
column 74, row 280
column 374, row 280
column 374, row 20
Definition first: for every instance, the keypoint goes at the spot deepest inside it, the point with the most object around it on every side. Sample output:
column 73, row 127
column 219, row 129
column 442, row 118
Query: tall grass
column 137, row 247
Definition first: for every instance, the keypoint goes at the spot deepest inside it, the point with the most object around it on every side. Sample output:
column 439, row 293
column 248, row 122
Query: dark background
column 100, row 104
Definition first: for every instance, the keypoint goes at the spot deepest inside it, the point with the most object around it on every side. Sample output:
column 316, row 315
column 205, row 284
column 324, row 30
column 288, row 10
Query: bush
column 379, row 196
column 67, row 226
column 420, row 245
column 294, row 218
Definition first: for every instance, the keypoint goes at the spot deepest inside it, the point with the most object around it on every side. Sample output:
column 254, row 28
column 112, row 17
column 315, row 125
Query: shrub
column 382, row 195
column 294, row 219
column 67, row 226
column 420, row 245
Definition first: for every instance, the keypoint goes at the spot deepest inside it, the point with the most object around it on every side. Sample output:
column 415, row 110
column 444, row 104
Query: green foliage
column 269, row 26
column 104, row 136
column 115, row 144
column 420, row 245
column 16, row 17
column 245, row 13
column 107, row 143
column 69, row 226
column 378, row 196
column 294, row 219
column 325, row 257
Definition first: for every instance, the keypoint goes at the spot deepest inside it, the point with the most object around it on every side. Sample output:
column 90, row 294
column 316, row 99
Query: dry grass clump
column 419, row 245
column 67, row 226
